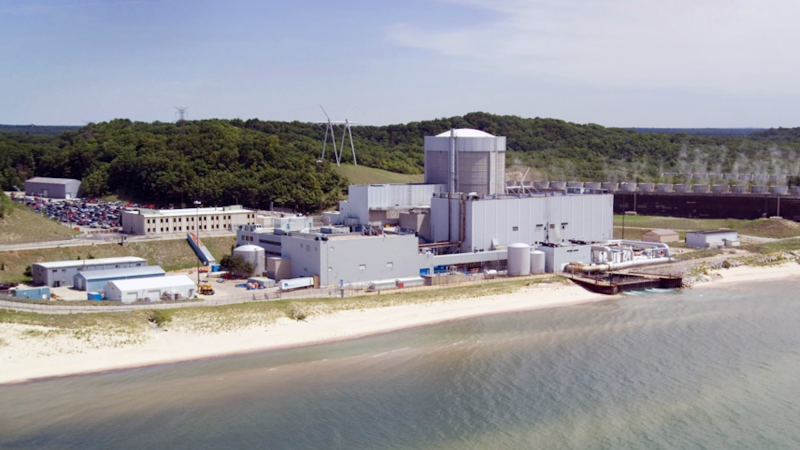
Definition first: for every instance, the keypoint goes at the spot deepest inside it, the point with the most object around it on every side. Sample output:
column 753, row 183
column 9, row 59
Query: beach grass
column 243, row 315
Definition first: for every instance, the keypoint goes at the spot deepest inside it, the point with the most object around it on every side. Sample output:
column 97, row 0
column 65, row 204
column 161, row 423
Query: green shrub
column 159, row 317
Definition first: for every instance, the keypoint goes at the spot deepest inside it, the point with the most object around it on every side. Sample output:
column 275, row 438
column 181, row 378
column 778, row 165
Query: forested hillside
column 256, row 162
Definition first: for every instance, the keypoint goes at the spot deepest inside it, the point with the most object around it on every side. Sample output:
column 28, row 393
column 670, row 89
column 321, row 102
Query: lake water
column 712, row 368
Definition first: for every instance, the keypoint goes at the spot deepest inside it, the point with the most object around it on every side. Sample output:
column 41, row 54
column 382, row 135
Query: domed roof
column 466, row 132
column 248, row 248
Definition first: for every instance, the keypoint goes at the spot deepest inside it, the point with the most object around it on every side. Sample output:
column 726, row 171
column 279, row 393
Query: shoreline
column 23, row 362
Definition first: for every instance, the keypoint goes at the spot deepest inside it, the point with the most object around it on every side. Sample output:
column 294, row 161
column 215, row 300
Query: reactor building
column 462, row 218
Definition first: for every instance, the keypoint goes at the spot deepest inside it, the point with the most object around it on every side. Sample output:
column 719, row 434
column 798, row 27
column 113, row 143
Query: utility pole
column 197, row 204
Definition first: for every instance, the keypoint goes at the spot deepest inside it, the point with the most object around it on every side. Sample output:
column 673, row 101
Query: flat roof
column 112, row 273
column 89, row 262
column 234, row 209
column 663, row 232
column 141, row 284
column 50, row 180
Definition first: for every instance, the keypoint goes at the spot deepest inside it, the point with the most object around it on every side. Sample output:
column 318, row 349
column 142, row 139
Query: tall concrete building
column 467, row 161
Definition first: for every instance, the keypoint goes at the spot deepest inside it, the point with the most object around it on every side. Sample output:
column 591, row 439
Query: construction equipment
column 205, row 289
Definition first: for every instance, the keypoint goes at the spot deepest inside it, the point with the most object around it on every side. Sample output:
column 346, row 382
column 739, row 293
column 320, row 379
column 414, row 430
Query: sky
column 673, row 63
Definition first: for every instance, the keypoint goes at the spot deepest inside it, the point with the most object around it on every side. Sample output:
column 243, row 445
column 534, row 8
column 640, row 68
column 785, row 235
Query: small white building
column 173, row 287
column 712, row 239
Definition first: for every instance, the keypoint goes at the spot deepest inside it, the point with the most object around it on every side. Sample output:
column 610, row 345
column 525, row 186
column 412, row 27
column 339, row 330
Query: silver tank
column 519, row 260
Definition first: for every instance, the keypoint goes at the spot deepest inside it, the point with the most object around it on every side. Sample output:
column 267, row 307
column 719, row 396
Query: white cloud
column 728, row 45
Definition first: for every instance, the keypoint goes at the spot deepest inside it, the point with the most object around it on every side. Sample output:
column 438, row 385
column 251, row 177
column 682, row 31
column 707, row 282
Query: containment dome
column 465, row 132
column 466, row 160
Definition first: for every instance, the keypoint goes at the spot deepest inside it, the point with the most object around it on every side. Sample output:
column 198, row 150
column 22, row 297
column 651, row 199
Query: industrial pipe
column 580, row 267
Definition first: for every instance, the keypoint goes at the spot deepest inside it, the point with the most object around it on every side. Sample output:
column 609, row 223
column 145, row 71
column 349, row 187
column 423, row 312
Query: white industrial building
column 175, row 287
column 164, row 221
column 62, row 273
column 462, row 218
column 382, row 204
column 712, row 239
column 65, row 188
column 95, row 280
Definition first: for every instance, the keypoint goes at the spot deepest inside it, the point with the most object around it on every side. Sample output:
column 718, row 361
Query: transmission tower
column 338, row 150
column 180, row 111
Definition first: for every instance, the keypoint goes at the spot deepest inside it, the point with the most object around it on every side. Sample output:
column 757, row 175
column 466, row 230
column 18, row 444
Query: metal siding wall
column 374, row 253
column 440, row 221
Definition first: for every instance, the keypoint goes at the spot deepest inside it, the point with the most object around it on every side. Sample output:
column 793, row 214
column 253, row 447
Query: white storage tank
column 519, row 260
column 254, row 255
column 537, row 262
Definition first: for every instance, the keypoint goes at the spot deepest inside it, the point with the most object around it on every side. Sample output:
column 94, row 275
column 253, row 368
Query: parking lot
column 82, row 214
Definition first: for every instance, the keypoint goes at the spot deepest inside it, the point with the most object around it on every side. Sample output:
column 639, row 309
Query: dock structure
column 612, row 283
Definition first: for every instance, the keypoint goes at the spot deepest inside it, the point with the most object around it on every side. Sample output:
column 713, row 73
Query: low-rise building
column 62, row 273
column 165, row 221
column 65, row 188
column 96, row 280
column 662, row 236
column 712, row 239
column 175, row 287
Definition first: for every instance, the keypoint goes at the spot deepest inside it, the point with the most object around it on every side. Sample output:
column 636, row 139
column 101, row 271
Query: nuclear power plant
column 461, row 220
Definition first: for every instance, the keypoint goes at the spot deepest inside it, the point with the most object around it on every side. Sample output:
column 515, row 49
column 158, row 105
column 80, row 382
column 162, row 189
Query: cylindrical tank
column 519, row 260
column 664, row 187
column 593, row 185
column 558, row 185
column 575, row 184
column 682, row 188
column 758, row 190
column 610, row 187
column 629, row 187
column 720, row 189
column 795, row 190
column 730, row 176
column 779, row 190
column 537, row 262
column 701, row 188
column 254, row 255
column 646, row 187
column 740, row 189
column 541, row 185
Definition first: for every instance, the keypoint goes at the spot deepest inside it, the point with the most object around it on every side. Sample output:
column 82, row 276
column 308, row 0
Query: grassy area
column 171, row 255
column 369, row 175
column 20, row 224
column 787, row 245
column 770, row 228
column 233, row 317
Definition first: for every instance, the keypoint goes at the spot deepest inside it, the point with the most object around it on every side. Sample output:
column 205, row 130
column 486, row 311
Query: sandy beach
column 30, row 352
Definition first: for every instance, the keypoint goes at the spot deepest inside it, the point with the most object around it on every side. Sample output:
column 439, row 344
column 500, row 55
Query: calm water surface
column 705, row 368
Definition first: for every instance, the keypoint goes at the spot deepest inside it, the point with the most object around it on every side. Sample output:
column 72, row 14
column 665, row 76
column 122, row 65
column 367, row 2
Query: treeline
column 258, row 163
column 212, row 161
